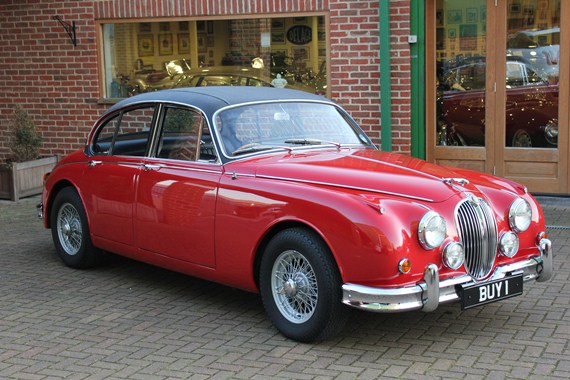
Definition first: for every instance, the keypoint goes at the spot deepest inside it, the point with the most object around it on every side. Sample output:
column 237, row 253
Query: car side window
column 185, row 136
column 126, row 134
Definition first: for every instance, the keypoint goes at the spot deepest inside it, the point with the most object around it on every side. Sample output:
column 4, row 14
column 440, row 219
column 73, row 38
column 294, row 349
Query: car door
column 177, row 190
column 118, row 149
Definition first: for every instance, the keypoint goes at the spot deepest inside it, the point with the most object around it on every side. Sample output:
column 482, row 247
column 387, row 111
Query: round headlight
column 453, row 255
column 520, row 215
column 509, row 244
column 432, row 230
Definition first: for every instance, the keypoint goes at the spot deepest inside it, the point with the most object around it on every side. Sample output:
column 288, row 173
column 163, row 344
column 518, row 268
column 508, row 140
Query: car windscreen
column 265, row 126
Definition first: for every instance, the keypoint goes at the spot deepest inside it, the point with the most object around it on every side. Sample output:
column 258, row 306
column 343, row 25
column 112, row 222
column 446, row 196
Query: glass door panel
column 532, row 73
column 461, row 39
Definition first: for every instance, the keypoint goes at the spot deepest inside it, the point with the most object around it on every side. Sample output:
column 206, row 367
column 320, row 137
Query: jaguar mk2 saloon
column 280, row 192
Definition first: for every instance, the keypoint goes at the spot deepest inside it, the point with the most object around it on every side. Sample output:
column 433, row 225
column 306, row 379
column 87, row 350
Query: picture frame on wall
column 455, row 16
column 277, row 38
column 165, row 44
column 278, row 24
column 146, row 45
column 471, row 15
column 183, row 43
column 145, row 27
column 202, row 47
column 300, row 53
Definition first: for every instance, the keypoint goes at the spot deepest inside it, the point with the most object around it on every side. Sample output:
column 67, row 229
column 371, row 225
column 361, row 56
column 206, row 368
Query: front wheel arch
column 274, row 230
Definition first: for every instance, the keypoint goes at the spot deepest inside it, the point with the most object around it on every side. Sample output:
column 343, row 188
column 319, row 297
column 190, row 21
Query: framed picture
column 183, row 43
column 202, row 44
column 165, row 44
column 515, row 7
column 300, row 53
column 183, row 26
column 300, row 20
column 277, row 38
column 210, row 27
column 278, row 24
column 321, row 36
column 471, row 15
column 468, row 30
column 146, row 45
column 439, row 17
column 210, row 41
column 451, row 33
column 145, row 27
column 164, row 27
column 455, row 17
column 201, row 26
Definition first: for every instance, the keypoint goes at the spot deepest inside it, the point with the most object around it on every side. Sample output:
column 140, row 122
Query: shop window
column 150, row 56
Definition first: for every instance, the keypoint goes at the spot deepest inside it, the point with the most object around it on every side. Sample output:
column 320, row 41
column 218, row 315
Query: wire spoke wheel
column 69, row 229
column 295, row 287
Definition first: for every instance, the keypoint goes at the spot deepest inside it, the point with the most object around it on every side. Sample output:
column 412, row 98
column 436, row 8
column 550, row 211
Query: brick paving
column 127, row 320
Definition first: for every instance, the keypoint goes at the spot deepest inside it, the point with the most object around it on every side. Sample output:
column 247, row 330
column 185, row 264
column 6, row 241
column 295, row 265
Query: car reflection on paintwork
column 531, row 107
column 280, row 192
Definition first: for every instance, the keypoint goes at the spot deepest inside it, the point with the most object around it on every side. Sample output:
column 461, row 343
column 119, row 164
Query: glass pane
column 461, row 54
column 150, row 56
column 533, row 52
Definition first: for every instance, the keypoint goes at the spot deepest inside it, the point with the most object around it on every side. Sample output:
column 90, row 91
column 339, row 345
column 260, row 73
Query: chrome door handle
column 93, row 163
column 149, row 167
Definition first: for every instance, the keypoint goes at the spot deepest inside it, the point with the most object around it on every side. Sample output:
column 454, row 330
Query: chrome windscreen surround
column 478, row 234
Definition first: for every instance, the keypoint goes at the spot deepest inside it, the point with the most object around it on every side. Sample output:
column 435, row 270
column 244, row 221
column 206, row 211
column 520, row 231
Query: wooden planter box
column 24, row 179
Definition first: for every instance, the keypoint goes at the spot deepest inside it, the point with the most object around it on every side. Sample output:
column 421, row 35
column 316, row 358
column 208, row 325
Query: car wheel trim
column 69, row 229
column 294, row 286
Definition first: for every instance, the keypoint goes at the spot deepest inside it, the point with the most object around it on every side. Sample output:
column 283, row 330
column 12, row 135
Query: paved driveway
column 127, row 320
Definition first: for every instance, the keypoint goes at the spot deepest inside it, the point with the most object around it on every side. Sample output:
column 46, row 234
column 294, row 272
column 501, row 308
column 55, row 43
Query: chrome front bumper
column 431, row 292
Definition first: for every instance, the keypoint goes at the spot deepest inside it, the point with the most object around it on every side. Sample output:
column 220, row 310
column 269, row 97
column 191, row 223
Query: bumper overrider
column 431, row 292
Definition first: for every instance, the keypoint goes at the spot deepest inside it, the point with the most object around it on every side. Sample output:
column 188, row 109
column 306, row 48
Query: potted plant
column 22, row 174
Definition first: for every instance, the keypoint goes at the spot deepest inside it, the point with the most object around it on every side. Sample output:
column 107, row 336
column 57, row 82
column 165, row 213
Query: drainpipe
column 385, row 74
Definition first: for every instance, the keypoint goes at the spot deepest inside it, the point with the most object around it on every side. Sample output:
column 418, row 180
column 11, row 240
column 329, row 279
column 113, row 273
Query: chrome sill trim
column 427, row 296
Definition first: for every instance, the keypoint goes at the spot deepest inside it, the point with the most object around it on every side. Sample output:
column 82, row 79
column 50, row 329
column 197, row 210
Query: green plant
column 26, row 139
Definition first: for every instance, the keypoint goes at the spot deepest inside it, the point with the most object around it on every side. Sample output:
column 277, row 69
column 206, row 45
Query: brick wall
column 58, row 83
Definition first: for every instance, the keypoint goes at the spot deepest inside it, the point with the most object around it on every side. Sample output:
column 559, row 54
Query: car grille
column 478, row 234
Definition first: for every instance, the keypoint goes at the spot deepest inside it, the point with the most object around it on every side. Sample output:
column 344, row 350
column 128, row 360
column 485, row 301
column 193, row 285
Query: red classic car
column 280, row 192
column 531, row 107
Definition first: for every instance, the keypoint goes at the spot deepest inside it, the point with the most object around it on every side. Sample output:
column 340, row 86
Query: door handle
column 93, row 163
column 149, row 167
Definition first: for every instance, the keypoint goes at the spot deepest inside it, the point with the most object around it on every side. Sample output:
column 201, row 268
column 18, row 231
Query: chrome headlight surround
column 509, row 244
column 453, row 255
column 432, row 230
column 520, row 215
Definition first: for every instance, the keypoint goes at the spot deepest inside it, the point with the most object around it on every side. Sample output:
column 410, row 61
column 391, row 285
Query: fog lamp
column 453, row 255
column 509, row 244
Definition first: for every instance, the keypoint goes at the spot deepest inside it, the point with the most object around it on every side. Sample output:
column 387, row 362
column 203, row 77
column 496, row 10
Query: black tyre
column 300, row 286
column 70, row 231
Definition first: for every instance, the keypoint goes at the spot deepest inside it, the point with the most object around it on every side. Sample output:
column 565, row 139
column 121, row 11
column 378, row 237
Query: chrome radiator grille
column 478, row 233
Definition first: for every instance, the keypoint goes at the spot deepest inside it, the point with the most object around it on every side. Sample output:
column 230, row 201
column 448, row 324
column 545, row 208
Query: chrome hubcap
column 295, row 288
column 69, row 229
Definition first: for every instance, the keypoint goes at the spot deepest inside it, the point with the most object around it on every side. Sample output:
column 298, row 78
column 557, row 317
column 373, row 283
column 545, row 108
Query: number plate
column 481, row 294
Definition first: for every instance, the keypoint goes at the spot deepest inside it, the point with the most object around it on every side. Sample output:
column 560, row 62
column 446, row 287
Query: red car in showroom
column 280, row 192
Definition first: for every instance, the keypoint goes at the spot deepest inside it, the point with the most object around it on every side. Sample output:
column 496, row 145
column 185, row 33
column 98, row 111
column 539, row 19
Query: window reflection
column 532, row 72
column 151, row 56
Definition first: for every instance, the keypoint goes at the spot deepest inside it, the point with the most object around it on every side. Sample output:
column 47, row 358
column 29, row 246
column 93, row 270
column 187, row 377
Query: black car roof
column 210, row 99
